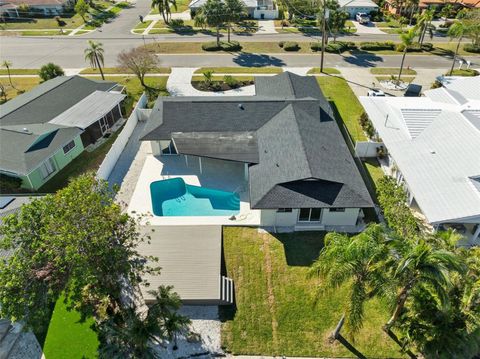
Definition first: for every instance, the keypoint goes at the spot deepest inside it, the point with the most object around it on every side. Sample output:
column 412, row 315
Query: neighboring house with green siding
column 44, row 129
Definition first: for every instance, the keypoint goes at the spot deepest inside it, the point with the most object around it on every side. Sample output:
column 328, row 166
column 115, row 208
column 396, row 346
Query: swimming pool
column 173, row 197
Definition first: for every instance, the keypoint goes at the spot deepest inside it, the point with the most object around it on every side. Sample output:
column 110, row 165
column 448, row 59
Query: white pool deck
column 215, row 174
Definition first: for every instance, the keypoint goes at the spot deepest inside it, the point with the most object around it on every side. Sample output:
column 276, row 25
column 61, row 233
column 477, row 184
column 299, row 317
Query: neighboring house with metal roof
column 43, row 130
column 433, row 145
column 299, row 171
column 257, row 9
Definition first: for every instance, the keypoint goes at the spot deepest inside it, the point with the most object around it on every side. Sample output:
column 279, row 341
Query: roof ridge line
column 44, row 93
column 301, row 137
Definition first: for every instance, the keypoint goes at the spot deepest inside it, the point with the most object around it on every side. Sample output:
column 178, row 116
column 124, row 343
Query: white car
column 362, row 18
column 376, row 93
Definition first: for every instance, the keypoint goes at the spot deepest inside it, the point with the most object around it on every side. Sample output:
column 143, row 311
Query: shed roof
column 89, row 110
column 190, row 260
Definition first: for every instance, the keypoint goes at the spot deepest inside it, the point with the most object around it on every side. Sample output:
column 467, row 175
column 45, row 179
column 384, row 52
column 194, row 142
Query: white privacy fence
column 116, row 150
column 366, row 149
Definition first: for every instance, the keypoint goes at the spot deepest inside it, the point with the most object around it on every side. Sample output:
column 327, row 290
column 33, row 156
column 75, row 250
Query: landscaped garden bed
column 219, row 83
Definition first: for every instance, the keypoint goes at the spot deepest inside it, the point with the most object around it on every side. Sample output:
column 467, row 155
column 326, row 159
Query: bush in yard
column 50, row 71
column 472, row 48
column 224, row 46
column 367, row 125
column 427, row 46
column 9, row 184
column 377, row 46
column 176, row 23
column 334, row 46
column 291, row 46
column 412, row 48
column 281, row 44
column 230, row 81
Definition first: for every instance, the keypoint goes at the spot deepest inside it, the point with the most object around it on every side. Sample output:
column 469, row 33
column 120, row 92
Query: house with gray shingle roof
column 299, row 170
column 43, row 130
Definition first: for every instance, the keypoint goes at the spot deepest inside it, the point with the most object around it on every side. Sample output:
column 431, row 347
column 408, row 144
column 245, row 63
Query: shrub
column 224, row 46
column 464, row 72
column 50, row 71
column 333, row 46
column 377, row 46
column 427, row 46
column 291, row 46
column 472, row 48
column 176, row 23
column 437, row 84
column 367, row 125
column 281, row 43
column 9, row 184
column 412, row 48
column 230, row 81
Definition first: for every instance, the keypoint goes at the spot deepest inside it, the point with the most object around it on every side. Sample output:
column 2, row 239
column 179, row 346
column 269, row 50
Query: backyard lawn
column 20, row 85
column 337, row 91
column 275, row 312
column 67, row 337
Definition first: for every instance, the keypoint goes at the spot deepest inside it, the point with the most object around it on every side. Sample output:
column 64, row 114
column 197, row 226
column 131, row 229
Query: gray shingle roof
column 26, row 137
column 302, row 159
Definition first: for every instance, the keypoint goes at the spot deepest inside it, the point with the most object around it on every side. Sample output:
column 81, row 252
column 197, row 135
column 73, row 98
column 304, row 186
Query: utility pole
column 324, row 31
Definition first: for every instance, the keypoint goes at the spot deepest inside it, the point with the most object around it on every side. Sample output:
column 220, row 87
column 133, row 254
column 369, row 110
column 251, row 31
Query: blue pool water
column 173, row 197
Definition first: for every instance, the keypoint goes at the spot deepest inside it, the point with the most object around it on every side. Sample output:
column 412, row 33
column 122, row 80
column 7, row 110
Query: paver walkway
column 179, row 84
column 266, row 27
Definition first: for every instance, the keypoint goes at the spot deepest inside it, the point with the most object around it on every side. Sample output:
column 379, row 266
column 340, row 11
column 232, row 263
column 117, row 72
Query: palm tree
column 458, row 30
column 215, row 14
column 94, row 54
column 407, row 40
column 354, row 261
column 200, row 20
column 425, row 24
column 165, row 8
column 235, row 10
column 7, row 65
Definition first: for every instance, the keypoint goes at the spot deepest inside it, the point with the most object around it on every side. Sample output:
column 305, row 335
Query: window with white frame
column 68, row 147
column 339, row 209
column 309, row 214
column 47, row 167
column 284, row 210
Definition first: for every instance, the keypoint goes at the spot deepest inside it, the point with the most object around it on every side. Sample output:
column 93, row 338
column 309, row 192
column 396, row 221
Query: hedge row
column 223, row 46
column 472, row 48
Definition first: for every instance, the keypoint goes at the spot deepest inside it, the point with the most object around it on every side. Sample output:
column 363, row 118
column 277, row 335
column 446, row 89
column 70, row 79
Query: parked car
column 375, row 93
column 413, row 90
column 362, row 18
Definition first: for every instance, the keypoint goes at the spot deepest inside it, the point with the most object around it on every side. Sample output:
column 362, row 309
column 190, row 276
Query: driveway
column 266, row 27
column 369, row 28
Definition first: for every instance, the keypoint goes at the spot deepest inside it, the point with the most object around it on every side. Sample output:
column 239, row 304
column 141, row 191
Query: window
column 69, row 146
column 336, row 209
column 47, row 168
column 284, row 210
column 310, row 215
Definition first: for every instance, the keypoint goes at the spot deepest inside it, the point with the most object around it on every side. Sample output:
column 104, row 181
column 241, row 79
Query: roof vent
column 240, row 106
column 25, row 129
column 432, row 152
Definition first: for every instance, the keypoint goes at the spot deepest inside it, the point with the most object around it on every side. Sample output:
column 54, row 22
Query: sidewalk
column 266, row 27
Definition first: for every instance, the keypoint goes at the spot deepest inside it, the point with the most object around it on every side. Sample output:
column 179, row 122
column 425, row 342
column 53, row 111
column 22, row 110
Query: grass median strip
column 241, row 70
column 326, row 70
column 118, row 70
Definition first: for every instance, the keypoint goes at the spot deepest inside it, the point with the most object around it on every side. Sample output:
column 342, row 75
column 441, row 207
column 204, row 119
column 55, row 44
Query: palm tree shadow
column 363, row 58
column 257, row 60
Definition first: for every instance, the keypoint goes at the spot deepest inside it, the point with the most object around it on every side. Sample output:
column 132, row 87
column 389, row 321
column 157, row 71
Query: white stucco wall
column 155, row 148
column 347, row 218
column 267, row 14
column 270, row 218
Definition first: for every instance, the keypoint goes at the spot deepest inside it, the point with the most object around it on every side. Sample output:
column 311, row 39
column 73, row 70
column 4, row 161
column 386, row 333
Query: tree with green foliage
column 471, row 20
column 379, row 263
column 235, row 10
column 94, row 55
column 458, row 30
column 50, row 71
column 129, row 334
column 337, row 18
column 407, row 41
column 200, row 20
column 215, row 13
column 424, row 24
column 165, row 8
column 76, row 243
column 81, row 8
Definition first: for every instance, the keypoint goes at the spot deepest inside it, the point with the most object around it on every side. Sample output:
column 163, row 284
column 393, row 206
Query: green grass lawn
column 337, row 90
column 19, row 72
column 241, row 70
column 463, row 72
column 67, row 337
column 374, row 170
column 117, row 70
column 143, row 25
column 20, row 85
column 326, row 70
column 391, row 71
column 275, row 312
